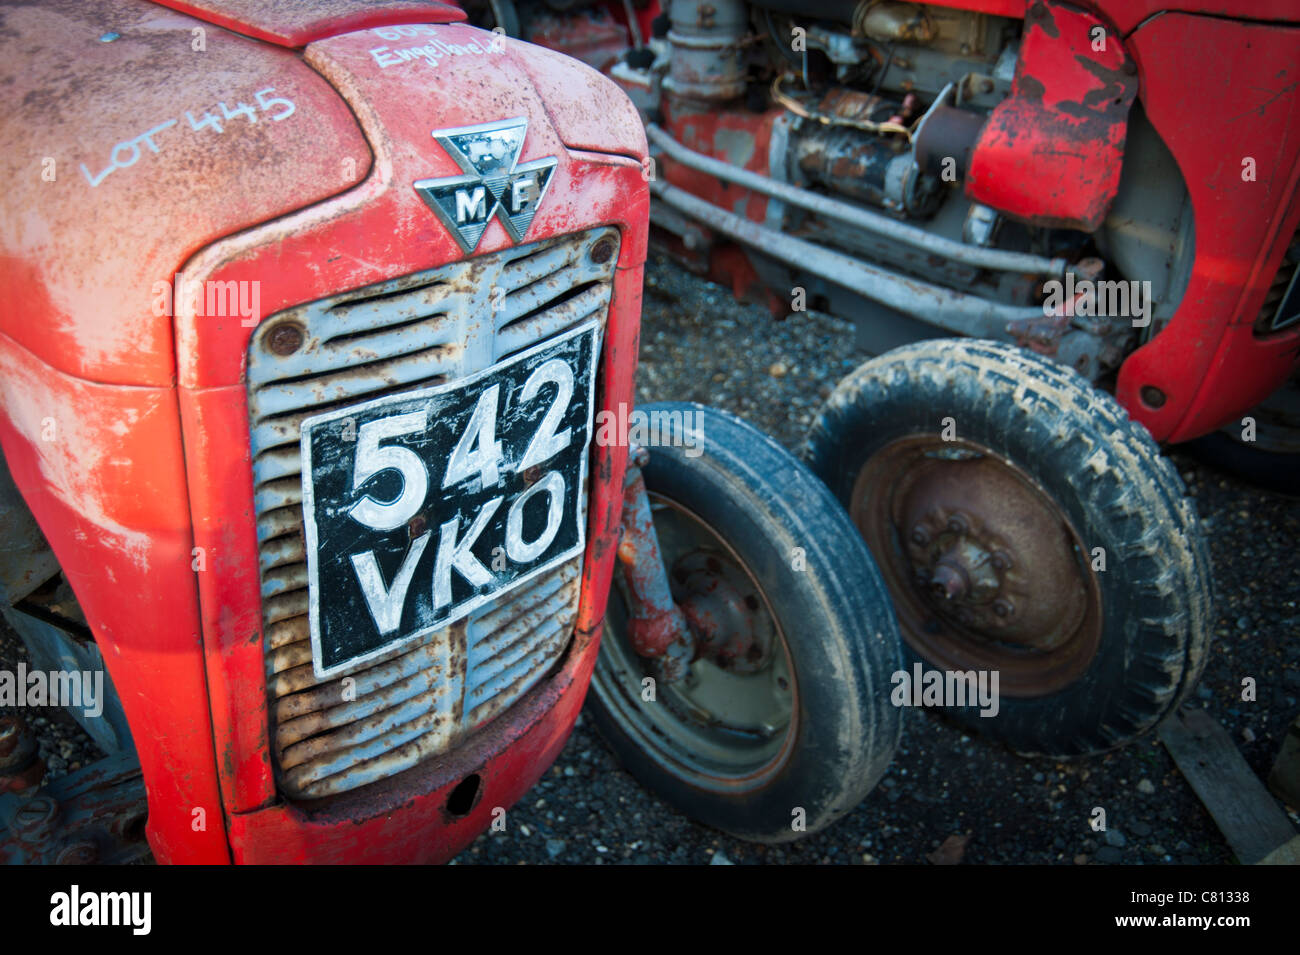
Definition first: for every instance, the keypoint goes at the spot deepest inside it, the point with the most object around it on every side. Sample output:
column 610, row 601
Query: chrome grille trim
column 430, row 328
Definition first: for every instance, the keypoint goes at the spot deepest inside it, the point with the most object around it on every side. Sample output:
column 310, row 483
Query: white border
column 309, row 498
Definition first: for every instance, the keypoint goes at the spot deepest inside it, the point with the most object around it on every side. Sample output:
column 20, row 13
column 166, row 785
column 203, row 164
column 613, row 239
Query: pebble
column 1109, row 855
column 555, row 847
column 1115, row 838
column 1146, row 787
column 720, row 859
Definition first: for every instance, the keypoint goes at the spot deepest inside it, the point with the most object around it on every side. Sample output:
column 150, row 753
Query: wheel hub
column 728, row 723
column 721, row 620
column 985, row 569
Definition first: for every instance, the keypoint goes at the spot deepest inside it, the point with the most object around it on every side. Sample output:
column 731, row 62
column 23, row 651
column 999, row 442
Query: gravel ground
column 699, row 344
column 64, row 745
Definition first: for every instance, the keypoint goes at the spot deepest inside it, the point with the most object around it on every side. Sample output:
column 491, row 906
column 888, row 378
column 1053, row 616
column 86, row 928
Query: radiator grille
column 421, row 330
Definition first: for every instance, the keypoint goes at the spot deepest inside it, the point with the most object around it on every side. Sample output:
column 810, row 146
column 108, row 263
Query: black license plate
column 420, row 507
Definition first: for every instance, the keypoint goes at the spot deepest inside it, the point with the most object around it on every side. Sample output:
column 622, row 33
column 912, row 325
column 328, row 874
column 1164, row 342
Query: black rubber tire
column 1279, row 473
column 1107, row 476
column 838, row 623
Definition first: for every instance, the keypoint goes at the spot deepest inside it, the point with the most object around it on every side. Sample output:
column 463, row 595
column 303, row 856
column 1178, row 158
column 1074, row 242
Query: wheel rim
column 986, row 571
column 729, row 725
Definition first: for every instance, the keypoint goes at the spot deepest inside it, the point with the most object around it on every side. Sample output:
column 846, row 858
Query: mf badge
column 495, row 183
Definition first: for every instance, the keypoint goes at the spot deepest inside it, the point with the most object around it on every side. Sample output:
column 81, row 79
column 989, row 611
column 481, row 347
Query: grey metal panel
column 51, row 649
column 419, row 330
column 26, row 560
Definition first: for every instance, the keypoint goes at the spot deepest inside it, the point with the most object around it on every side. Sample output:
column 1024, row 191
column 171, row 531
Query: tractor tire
column 1025, row 527
column 787, row 740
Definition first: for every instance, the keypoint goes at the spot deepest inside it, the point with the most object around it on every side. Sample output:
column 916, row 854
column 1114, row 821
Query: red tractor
column 318, row 326
column 1069, row 232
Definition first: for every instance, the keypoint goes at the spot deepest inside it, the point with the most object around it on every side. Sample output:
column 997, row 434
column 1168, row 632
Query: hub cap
column 727, row 726
column 986, row 571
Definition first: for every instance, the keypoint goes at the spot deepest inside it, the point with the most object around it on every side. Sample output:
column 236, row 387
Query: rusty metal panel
column 124, row 150
column 1050, row 153
column 336, row 734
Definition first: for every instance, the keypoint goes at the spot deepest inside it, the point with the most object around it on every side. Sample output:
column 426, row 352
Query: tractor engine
column 917, row 168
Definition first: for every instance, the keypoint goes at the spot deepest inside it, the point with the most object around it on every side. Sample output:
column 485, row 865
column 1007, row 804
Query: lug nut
column 1001, row 560
column 957, row 524
column 920, row 536
column 1003, row 607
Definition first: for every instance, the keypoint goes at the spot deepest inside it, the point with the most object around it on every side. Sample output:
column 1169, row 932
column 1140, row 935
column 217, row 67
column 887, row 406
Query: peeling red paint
column 1050, row 153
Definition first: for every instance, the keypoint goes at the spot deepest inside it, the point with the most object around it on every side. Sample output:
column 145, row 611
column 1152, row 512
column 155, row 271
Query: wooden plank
column 1284, row 780
column 1242, row 808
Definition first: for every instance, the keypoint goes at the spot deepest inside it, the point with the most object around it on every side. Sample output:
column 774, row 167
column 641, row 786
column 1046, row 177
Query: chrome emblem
column 495, row 182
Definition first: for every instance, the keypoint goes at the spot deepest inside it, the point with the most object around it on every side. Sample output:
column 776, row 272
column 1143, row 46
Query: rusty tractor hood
column 131, row 137
column 135, row 135
column 294, row 23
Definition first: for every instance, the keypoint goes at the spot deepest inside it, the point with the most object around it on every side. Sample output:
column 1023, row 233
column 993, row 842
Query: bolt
column 603, row 250
column 920, row 536
column 81, row 852
column 32, row 822
column 532, row 475
column 957, row 524
column 1153, row 396
column 418, row 525
column 285, row 338
column 1001, row 560
column 1130, row 67
column 1003, row 607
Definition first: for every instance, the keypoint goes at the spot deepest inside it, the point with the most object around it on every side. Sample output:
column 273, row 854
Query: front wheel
column 786, row 724
column 1028, row 532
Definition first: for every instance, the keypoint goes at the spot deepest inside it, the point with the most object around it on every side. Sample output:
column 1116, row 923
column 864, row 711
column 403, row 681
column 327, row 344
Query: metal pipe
column 656, row 627
column 996, row 259
column 953, row 311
